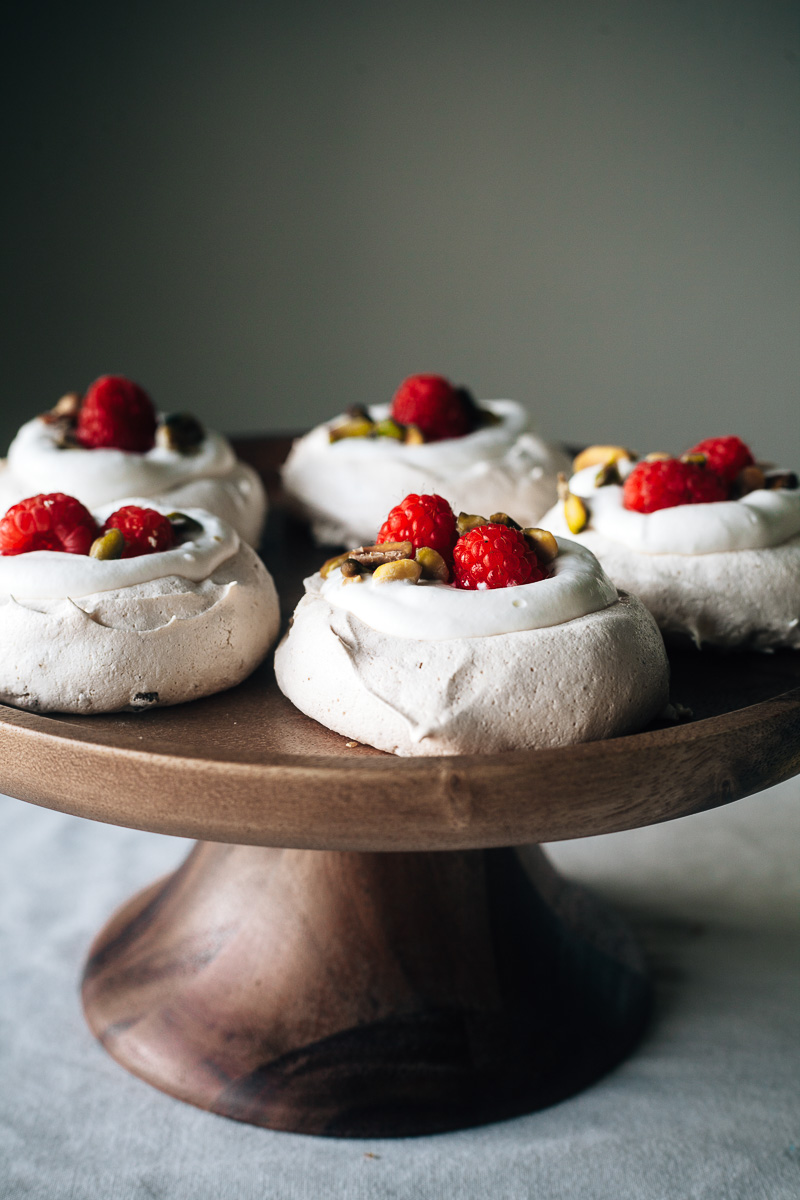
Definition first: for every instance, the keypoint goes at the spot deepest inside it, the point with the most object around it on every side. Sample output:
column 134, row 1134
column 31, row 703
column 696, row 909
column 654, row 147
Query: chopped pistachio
column 501, row 518
column 485, row 418
column 66, row 409
column 182, row 524
column 780, row 479
column 391, row 429
column 414, row 436
column 597, row 456
column 750, row 479
column 332, row 564
column 544, row 544
column 576, row 513
column 404, row 568
column 351, row 429
column 382, row 552
column 432, row 563
column 109, row 545
column 608, row 474
column 181, row 432
column 467, row 521
column 698, row 459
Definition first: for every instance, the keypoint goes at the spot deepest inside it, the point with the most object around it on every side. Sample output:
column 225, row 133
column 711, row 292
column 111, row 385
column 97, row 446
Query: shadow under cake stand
column 353, row 947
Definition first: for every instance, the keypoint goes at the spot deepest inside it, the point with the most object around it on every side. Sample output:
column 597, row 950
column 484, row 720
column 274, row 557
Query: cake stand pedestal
column 365, row 994
column 394, row 967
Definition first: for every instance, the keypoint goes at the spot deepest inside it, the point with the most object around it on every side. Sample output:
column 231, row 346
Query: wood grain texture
column 365, row 994
column 246, row 767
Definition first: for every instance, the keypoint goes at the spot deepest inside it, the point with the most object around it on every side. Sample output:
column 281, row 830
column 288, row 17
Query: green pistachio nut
column 109, row 545
column 351, row 429
column 467, row 521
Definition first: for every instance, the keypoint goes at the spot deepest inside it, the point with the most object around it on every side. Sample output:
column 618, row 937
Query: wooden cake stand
column 394, row 968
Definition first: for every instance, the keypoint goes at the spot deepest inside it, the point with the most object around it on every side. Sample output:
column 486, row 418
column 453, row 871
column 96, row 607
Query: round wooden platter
column 355, row 982
column 246, row 767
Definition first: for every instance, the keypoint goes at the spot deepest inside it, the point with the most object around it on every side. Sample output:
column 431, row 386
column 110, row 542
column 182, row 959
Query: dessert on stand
column 710, row 542
column 347, row 473
column 110, row 444
column 128, row 608
column 354, row 948
column 470, row 635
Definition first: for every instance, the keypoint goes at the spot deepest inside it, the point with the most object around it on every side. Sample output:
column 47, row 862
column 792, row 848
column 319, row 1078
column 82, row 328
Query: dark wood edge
column 435, row 803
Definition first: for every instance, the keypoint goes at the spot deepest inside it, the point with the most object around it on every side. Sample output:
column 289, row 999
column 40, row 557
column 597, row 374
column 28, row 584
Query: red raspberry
column 48, row 522
column 423, row 521
column 436, row 407
column 494, row 556
column 725, row 456
column 116, row 413
column 145, row 530
column 670, row 482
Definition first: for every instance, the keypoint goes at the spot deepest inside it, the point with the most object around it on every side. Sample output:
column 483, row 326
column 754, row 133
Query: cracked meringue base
column 593, row 677
column 744, row 599
column 155, row 643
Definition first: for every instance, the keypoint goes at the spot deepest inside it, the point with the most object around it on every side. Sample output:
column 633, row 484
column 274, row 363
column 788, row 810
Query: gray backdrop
column 264, row 211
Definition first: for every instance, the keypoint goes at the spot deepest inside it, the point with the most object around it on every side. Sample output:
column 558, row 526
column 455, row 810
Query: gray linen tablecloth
column 708, row 1107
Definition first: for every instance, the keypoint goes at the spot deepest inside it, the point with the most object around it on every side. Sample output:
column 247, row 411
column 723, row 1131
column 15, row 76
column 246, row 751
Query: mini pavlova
column 710, row 542
column 346, row 474
column 470, row 636
column 111, row 443
column 126, row 608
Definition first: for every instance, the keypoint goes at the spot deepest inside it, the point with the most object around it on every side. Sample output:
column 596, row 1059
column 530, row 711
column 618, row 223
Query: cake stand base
column 366, row 994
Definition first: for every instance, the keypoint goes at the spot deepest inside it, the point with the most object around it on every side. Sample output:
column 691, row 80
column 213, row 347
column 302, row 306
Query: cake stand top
column 246, row 767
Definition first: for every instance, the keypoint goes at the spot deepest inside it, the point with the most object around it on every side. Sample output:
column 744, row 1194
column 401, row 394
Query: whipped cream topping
column 485, row 444
column 97, row 476
column 755, row 522
column 51, row 574
column 434, row 611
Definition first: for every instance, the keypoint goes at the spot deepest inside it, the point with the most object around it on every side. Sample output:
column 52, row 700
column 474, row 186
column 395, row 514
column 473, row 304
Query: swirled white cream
column 432, row 611
column 755, row 522
column 51, row 573
column 211, row 477
column 346, row 488
column 80, row 635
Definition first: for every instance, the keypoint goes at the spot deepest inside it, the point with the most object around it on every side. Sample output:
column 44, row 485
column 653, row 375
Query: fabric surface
column 708, row 1107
